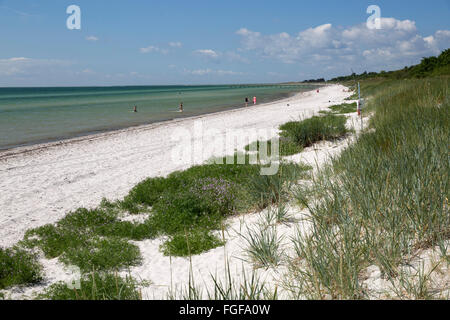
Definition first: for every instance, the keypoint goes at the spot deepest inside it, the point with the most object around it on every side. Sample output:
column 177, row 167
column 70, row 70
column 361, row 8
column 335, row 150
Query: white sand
column 42, row 184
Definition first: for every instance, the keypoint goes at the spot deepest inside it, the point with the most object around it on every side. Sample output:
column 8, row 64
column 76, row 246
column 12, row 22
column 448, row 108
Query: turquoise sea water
column 33, row 115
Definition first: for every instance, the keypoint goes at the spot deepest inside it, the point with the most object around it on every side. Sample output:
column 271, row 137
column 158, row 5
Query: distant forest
column 432, row 66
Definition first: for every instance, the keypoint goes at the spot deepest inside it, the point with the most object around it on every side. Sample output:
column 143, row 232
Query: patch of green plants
column 192, row 243
column 18, row 267
column 428, row 67
column 96, row 286
column 266, row 190
column 263, row 247
column 385, row 197
column 344, row 108
column 309, row 131
column 90, row 239
column 198, row 199
column 286, row 147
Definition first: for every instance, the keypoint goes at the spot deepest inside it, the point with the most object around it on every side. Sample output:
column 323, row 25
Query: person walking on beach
column 246, row 101
column 254, row 100
column 181, row 106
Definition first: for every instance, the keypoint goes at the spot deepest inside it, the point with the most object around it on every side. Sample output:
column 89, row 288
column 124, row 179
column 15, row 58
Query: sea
column 36, row 115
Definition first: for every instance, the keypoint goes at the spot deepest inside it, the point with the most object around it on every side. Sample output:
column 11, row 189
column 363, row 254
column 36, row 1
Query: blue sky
column 139, row 42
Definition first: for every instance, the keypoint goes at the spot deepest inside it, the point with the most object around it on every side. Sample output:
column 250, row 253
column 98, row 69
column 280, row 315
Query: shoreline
column 165, row 273
column 95, row 134
column 176, row 116
column 41, row 184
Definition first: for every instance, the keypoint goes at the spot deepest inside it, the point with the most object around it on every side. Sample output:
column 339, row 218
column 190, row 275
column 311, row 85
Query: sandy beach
column 42, row 183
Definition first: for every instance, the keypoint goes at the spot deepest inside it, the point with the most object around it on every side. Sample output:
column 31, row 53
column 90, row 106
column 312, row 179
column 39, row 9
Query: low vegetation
column 18, row 267
column 384, row 197
column 428, row 67
column 311, row 130
column 86, row 238
column 96, row 286
column 344, row 108
column 263, row 246
column 297, row 135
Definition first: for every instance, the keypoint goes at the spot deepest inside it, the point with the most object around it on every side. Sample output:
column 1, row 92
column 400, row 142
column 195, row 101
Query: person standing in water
column 246, row 102
column 181, row 106
column 254, row 100
column 135, row 109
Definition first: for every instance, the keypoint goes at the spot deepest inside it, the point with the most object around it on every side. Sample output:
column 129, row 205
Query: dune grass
column 311, row 130
column 263, row 246
column 344, row 108
column 226, row 287
column 96, row 286
column 18, row 267
column 297, row 135
column 384, row 197
column 286, row 147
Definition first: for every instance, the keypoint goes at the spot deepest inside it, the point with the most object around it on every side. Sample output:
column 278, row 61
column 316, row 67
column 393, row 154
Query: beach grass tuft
column 263, row 246
column 318, row 128
column 18, row 267
column 385, row 197
column 96, row 286
column 344, row 108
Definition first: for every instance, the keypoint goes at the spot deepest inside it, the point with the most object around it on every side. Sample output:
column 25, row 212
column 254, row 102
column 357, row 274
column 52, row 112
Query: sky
column 147, row 42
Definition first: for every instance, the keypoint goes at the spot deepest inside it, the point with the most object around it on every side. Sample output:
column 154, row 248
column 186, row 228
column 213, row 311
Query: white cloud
column 92, row 38
column 151, row 49
column 396, row 44
column 203, row 72
column 207, row 53
column 26, row 66
column 175, row 44
column 217, row 56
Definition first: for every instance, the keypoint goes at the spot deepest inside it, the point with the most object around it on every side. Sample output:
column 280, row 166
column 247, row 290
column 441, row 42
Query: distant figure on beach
column 135, row 109
column 254, row 100
column 181, row 106
column 317, row 90
column 246, row 101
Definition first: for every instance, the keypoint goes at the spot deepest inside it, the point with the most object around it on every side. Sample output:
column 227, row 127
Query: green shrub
column 312, row 130
column 192, row 243
column 177, row 212
column 18, row 267
column 149, row 191
column 102, row 254
column 344, row 108
column 96, row 286
column 287, row 147
column 91, row 239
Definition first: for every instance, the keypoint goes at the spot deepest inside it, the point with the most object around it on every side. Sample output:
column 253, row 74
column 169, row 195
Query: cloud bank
column 396, row 44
